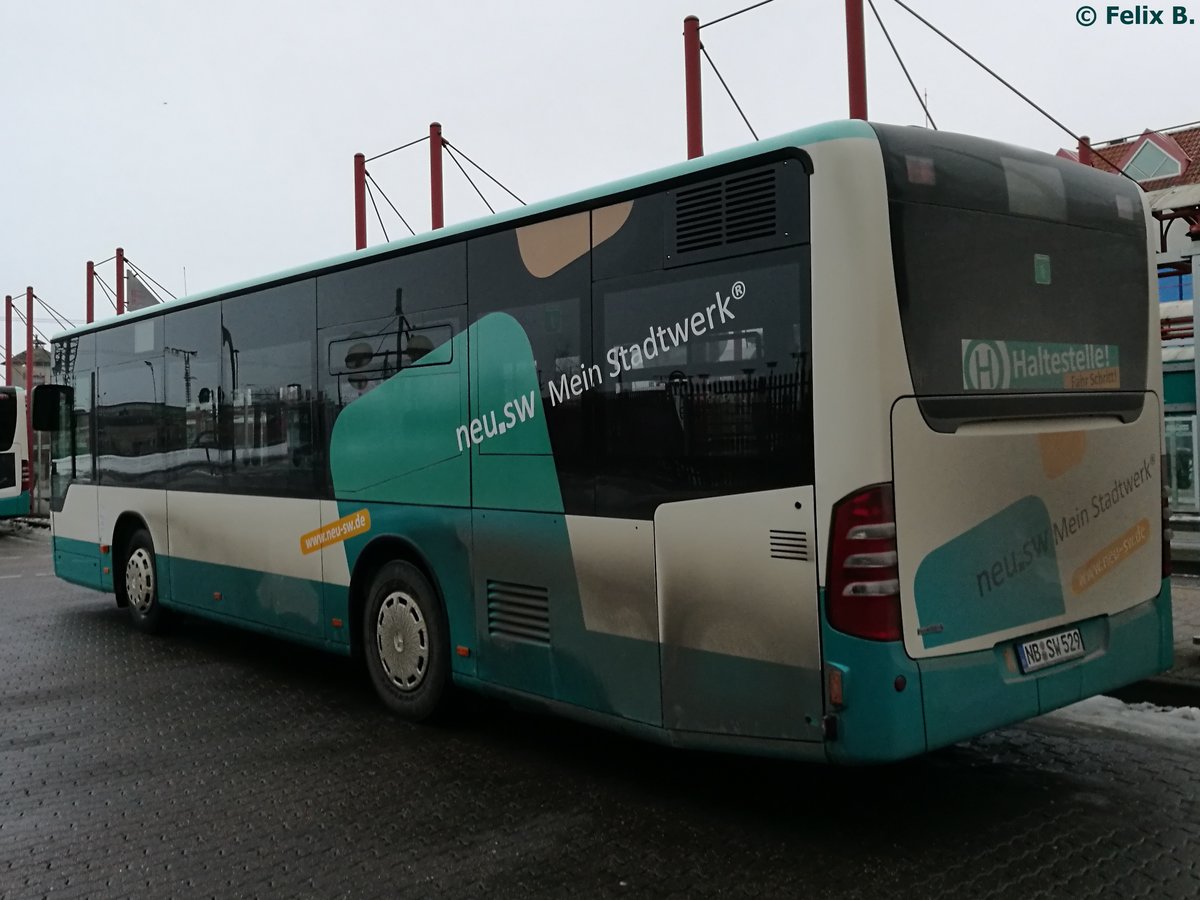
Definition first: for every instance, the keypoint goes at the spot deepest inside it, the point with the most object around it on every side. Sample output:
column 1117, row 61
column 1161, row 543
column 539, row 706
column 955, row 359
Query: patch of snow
column 1176, row 723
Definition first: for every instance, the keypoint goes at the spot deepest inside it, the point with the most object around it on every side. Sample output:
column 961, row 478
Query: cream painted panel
column 949, row 484
column 334, row 564
column 150, row 505
column 614, row 567
column 261, row 533
column 720, row 589
column 859, row 365
column 78, row 519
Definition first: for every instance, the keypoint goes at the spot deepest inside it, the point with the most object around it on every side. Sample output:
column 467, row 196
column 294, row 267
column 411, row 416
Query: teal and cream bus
column 841, row 446
column 16, row 474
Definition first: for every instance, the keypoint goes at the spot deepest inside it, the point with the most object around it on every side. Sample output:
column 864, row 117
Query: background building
column 1167, row 165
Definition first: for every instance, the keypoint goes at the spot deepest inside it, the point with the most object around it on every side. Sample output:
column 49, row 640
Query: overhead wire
column 903, row 67
column 485, row 172
column 736, row 105
column 961, row 49
column 371, row 194
column 39, row 331
column 389, row 202
column 454, row 159
column 738, row 13
column 394, row 149
column 108, row 292
column 145, row 274
column 62, row 321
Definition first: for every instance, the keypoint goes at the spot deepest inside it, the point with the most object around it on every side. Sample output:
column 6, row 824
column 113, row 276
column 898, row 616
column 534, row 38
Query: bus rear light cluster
column 864, row 581
column 26, row 475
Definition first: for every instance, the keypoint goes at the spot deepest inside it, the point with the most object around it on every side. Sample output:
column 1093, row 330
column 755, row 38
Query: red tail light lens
column 863, row 580
column 26, row 475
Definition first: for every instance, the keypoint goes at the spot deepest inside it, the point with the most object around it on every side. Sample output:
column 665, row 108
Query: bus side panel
column 77, row 556
column 859, row 366
column 441, row 536
column 242, row 557
column 737, row 592
column 151, row 507
column 398, row 470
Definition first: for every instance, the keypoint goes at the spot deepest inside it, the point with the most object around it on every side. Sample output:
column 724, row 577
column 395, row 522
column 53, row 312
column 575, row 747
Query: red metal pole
column 436, row 211
column 91, row 292
column 1085, row 149
column 360, row 201
column 691, row 86
column 856, row 59
column 29, row 361
column 120, row 281
column 8, row 340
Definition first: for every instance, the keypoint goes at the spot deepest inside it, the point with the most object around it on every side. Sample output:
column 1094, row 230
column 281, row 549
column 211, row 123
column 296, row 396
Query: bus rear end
column 15, row 472
column 1016, row 560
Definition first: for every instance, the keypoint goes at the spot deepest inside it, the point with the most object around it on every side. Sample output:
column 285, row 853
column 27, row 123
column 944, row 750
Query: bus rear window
column 8, row 418
column 1015, row 271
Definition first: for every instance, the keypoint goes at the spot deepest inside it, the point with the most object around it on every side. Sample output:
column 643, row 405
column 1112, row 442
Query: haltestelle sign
column 989, row 365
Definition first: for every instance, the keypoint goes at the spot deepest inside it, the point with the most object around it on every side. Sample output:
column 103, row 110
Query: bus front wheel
column 405, row 641
column 137, row 582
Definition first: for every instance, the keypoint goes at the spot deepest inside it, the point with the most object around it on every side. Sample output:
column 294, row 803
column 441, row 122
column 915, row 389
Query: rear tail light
column 1166, row 521
column 864, row 582
column 26, row 475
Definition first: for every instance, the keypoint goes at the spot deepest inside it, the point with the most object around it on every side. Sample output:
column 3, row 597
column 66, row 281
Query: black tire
column 136, row 583
column 405, row 641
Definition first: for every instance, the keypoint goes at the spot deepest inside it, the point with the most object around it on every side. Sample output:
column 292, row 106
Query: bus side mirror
column 52, row 405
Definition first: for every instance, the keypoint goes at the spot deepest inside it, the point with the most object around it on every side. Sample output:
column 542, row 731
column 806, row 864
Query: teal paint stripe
column 953, row 698
column 15, row 506
column 878, row 723
column 278, row 604
column 829, row 131
column 78, row 562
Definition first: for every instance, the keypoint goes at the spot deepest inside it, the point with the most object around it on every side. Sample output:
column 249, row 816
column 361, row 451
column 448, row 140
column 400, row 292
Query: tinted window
column 194, row 398
column 268, row 364
column 73, row 365
column 553, row 308
column 129, row 413
column 706, row 386
column 383, row 316
column 1016, row 271
column 427, row 279
column 8, row 417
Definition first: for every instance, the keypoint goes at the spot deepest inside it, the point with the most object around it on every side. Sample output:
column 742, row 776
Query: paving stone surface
column 215, row 763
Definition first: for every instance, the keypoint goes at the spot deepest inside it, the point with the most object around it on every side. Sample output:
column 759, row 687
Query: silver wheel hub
column 139, row 580
column 403, row 640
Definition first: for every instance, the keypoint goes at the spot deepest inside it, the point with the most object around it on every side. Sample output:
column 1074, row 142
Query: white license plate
column 1050, row 650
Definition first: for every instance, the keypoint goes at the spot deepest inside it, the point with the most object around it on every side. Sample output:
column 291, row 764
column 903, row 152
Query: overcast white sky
column 219, row 136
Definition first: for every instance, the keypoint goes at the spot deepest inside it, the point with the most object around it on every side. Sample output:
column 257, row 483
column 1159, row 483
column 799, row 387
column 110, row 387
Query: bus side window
column 268, row 365
column 707, row 385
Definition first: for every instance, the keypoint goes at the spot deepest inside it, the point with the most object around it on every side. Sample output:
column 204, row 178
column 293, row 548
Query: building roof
column 1183, row 141
column 41, row 356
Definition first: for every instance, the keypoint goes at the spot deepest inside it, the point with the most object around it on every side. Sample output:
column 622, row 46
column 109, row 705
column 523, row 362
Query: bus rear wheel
column 137, row 583
column 405, row 641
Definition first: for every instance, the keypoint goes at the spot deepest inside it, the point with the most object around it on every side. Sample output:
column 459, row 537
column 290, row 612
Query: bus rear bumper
column 954, row 698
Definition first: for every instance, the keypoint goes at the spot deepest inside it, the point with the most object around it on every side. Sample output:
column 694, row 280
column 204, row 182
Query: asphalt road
column 212, row 762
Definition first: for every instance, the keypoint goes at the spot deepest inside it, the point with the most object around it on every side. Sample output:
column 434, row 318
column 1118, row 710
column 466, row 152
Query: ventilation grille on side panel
column 738, row 208
column 519, row 611
column 789, row 545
